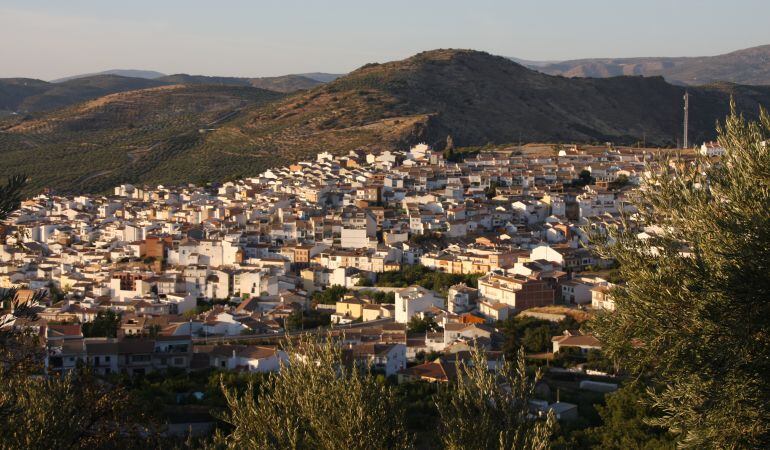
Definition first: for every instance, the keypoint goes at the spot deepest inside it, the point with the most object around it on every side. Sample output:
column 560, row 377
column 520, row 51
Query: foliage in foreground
column 623, row 423
column 40, row 410
column 490, row 410
column 73, row 411
column 10, row 195
column 694, row 314
column 316, row 401
column 319, row 401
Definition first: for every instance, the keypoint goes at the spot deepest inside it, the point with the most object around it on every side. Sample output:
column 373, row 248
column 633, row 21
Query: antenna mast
column 686, row 115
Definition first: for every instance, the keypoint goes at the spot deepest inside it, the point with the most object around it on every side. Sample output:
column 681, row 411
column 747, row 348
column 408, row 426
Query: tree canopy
column 425, row 277
column 418, row 324
column 317, row 401
column 693, row 315
column 42, row 410
column 105, row 324
column 487, row 410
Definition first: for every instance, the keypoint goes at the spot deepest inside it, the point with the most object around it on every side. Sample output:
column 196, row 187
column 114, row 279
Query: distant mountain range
column 321, row 76
column 22, row 95
column 132, row 73
column 531, row 64
column 27, row 95
column 748, row 66
column 193, row 132
column 151, row 75
column 286, row 83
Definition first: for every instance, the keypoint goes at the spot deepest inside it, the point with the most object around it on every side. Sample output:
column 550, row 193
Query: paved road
column 273, row 336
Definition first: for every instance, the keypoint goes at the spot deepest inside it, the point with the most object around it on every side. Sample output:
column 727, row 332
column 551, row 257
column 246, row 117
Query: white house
column 711, row 149
column 181, row 302
column 576, row 291
column 462, row 298
column 129, row 286
column 222, row 323
column 414, row 300
column 600, row 297
column 584, row 342
column 246, row 358
column 387, row 358
column 494, row 311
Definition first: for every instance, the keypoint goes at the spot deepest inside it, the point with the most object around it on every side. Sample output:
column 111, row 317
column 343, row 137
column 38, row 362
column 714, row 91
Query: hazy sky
column 50, row 39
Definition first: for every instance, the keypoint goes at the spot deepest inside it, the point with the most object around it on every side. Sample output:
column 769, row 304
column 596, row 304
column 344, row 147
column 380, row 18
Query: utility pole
column 686, row 115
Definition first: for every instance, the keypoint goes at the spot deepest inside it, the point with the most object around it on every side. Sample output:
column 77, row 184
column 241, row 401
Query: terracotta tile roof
column 433, row 371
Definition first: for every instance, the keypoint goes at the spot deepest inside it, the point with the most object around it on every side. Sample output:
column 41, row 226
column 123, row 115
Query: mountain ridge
column 130, row 73
column 29, row 95
column 204, row 133
column 284, row 83
column 25, row 95
column 744, row 66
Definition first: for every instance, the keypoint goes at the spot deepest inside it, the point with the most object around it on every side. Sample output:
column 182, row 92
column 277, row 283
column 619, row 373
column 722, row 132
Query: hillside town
column 382, row 226
column 195, row 278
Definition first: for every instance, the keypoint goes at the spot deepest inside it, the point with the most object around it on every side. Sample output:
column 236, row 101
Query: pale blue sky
column 50, row 39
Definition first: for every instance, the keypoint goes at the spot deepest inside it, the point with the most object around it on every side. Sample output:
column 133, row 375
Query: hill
column 24, row 95
column 322, row 76
column 285, row 83
column 127, row 136
column 475, row 97
column 479, row 98
column 747, row 66
column 132, row 73
column 13, row 92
